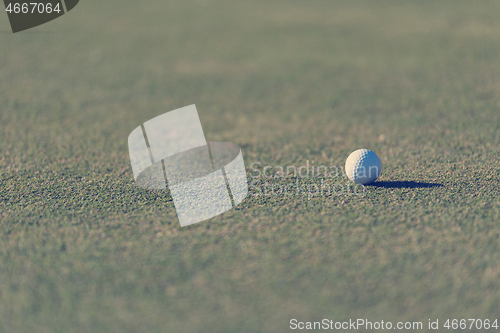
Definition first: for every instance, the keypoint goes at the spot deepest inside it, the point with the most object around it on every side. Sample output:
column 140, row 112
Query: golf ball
column 363, row 166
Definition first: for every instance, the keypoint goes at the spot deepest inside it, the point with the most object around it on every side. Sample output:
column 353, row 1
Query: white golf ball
column 363, row 166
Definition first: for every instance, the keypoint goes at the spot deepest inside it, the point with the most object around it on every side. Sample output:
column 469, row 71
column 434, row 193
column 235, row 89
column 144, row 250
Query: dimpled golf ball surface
column 363, row 166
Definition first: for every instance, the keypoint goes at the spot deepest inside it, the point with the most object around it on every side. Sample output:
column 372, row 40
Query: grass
column 84, row 250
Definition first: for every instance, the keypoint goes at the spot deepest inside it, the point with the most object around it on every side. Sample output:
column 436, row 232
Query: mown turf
column 84, row 250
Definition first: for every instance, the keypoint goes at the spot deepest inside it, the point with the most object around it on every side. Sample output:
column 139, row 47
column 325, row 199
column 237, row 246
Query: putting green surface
column 82, row 249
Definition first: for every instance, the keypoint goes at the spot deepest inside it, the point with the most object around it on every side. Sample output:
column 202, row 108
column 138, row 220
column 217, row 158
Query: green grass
column 84, row 250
